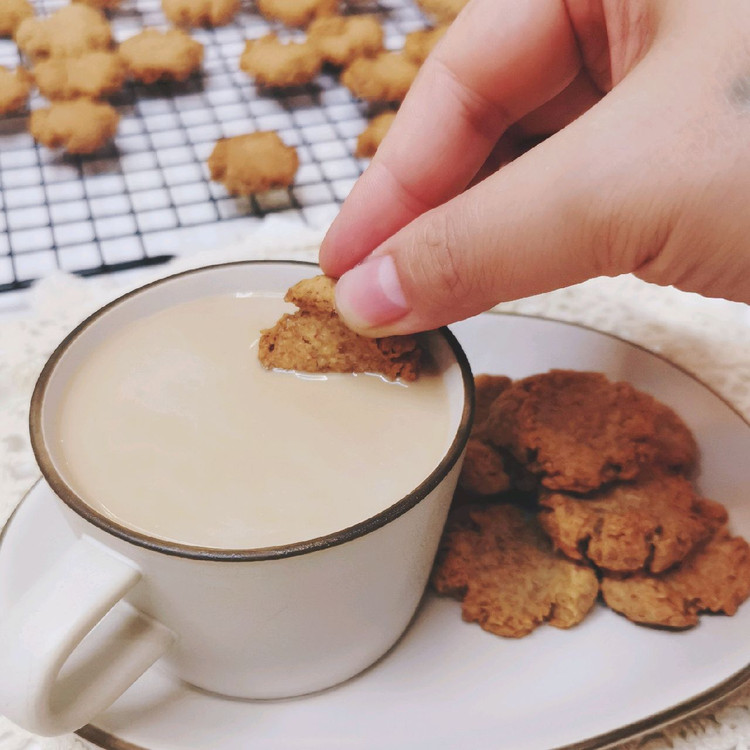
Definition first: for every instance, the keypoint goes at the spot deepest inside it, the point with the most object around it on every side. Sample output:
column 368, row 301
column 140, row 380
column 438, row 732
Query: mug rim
column 76, row 503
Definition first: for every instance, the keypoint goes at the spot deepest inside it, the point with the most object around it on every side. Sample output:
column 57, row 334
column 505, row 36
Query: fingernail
column 370, row 295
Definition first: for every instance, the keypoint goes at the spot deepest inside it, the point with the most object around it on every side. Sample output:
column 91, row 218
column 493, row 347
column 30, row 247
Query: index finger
column 500, row 60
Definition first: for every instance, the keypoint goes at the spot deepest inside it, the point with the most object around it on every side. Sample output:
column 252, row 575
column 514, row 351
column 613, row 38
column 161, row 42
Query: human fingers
column 500, row 60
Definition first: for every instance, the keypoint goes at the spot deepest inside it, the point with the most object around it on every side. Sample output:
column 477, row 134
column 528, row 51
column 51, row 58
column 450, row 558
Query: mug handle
column 48, row 624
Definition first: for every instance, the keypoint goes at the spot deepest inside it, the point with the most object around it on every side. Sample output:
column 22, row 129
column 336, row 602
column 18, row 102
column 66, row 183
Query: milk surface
column 173, row 428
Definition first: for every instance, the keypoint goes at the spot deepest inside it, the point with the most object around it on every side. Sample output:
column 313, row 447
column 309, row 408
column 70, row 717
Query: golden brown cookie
column 154, row 55
column 93, row 75
column 12, row 12
column 252, row 163
column 100, row 4
column 419, row 44
column 297, row 12
column 386, row 77
column 650, row 524
column 383, row 78
column 69, row 32
column 340, row 40
column 503, row 568
column 372, row 136
column 80, row 126
column 200, row 12
column 314, row 339
column 272, row 62
column 716, row 578
column 442, row 10
column 576, row 430
column 483, row 470
column 14, row 90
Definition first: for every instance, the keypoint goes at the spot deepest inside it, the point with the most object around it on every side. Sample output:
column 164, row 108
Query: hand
column 646, row 168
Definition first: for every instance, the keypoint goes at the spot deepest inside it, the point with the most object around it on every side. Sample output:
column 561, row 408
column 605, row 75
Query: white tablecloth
column 710, row 338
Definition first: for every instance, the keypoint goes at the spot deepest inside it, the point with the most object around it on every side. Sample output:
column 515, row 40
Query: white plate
column 448, row 684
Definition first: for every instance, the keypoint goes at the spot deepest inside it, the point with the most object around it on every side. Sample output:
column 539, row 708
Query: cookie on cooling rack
column 340, row 40
column 371, row 137
column 15, row 88
column 274, row 63
column 384, row 78
column 206, row 13
column 12, row 12
column 80, row 126
column 154, row 55
column 419, row 44
column 297, row 12
column 92, row 75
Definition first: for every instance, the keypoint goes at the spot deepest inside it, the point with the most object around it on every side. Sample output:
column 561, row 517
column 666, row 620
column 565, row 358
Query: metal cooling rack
column 148, row 196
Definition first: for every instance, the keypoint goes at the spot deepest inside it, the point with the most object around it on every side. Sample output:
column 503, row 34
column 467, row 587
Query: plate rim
column 678, row 711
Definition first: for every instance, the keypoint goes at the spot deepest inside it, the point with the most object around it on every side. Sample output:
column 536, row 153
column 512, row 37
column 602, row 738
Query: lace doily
column 710, row 338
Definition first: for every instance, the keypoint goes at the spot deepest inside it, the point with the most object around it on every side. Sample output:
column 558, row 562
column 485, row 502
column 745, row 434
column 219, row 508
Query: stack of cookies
column 574, row 487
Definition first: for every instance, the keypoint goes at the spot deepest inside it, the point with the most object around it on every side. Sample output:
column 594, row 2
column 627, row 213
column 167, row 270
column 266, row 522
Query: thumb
column 588, row 201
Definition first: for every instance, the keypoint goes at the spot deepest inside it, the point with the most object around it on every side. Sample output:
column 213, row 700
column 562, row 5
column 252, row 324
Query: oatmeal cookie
column 93, row 75
column 80, row 126
column 716, row 578
column 12, row 12
column 69, row 32
column 650, row 524
column 207, row 13
column 253, row 163
column 483, row 471
column 314, row 339
column 153, row 55
column 419, row 44
column 372, row 136
column 501, row 566
column 15, row 88
column 442, row 10
column 383, row 78
column 340, row 40
column 576, row 430
column 274, row 63
column 297, row 12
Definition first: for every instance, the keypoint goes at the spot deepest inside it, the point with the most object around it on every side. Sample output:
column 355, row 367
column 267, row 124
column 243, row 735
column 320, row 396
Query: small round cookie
column 372, row 136
column 154, row 55
column 12, row 12
column 80, row 126
column 274, row 63
column 69, row 32
column 650, row 524
column 442, row 10
column 506, row 574
column 419, row 44
column 296, row 12
column 207, row 13
column 93, row 74
column 252, row 163
column 715, row 579
column 384, row 78
column 15, row 88
column 340, row 40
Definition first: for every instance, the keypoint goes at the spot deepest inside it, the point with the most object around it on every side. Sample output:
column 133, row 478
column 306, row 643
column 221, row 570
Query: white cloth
column 709, row 338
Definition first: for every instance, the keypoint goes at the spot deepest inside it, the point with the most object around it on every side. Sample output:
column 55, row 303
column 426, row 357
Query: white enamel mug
column 249, row 623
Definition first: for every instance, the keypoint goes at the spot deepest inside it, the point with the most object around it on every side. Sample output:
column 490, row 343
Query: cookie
column 252, row 163
column 716, row 579
column 297, row 12
column 576, row 430
column 384, row 78
column 154, row 55
column 487, row 388
column 442, row 10
column 650, row 524
column 93, row 75
column 501, row 566
column 340, row 40
column 274, row 63
column 207, row 13
column 12, row 12
column 419, row 44
column 14, row 90
column 483, row 471
column 80, row 126
column 69, row 32
column 100, row 4
column 314, row 339
column 372, row 136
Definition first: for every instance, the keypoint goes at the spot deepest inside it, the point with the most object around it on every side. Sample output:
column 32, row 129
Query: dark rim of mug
column 76, row 503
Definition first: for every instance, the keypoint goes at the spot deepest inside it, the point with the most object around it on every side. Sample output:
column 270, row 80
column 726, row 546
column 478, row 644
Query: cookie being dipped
column 499, row 563
column 315, row 339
